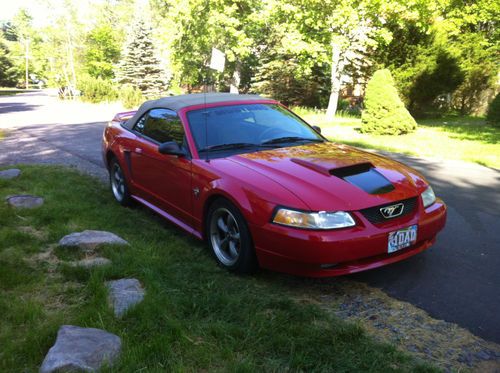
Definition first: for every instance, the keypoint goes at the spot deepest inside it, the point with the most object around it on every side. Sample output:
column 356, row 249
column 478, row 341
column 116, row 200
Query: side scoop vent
column 365, row 177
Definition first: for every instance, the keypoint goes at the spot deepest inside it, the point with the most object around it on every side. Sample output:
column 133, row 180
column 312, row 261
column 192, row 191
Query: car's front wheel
column 229, row 238
column 118, row 183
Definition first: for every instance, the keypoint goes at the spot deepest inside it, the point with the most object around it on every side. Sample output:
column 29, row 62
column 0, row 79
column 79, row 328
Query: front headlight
column 428, row 197
column 313, row 220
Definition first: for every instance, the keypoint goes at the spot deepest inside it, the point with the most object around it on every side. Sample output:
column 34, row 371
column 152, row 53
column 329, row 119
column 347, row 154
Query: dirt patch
column 47, row 258
column 39, row 234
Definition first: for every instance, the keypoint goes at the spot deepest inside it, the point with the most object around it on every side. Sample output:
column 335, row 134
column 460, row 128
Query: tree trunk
column 233, row 88
column 335, row 81
column 70, row 55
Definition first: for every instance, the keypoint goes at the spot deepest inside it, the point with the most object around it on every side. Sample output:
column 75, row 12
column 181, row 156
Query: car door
column 162, row 180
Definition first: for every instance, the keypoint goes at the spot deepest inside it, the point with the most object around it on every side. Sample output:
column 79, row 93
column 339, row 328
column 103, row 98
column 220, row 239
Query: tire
column 229, row 238
column 118, row 183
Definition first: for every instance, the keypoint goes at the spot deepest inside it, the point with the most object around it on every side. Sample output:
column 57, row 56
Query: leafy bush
column 385, row 113
column 97, row 89
column 493, row 115
column 130, row 96
column 349, row 108
column 441, row 75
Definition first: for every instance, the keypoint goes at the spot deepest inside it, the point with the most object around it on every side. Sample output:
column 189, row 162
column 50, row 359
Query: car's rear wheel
column 229, row 238
column 119, row 183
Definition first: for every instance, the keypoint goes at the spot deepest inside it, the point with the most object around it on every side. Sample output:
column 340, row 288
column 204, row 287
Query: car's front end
column 362, row 246
column 358, row 210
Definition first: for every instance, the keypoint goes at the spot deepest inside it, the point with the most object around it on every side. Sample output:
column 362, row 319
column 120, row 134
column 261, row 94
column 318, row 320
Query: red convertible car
column 266, row 189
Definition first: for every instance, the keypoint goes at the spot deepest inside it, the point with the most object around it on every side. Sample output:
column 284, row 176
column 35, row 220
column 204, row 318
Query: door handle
column 138, row 150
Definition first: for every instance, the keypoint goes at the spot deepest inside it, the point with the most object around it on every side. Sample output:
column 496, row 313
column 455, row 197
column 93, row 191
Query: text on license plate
column 402, row 238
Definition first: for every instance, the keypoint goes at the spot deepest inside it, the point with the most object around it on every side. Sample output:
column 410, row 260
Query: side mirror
column 171, row 148
column 317, row 129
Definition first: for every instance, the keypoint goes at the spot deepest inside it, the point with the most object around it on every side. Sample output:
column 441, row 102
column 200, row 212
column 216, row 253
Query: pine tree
column 385, row 113
column 8, row 73
column 140, row 66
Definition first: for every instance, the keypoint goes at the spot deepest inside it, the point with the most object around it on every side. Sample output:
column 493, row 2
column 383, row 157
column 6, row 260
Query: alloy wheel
column 117, row 182
column 225, row 236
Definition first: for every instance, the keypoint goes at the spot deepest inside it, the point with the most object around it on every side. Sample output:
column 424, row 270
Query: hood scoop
column 362, row 175
column 365, row 177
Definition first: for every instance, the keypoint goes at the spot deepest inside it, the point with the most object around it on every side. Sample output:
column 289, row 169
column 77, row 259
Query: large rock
column 24, row 201
column 124, row 293
column 81, row 349
column 89, row 240
column 10, row 174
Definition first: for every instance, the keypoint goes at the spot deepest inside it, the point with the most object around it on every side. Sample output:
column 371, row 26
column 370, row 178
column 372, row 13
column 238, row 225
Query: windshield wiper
column 236, row 145
column 280, row 140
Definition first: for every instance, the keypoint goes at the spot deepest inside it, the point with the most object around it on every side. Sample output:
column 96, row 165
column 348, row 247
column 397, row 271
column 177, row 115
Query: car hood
column 329, row 176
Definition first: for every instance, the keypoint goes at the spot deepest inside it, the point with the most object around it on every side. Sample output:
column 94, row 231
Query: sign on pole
column 218, row 60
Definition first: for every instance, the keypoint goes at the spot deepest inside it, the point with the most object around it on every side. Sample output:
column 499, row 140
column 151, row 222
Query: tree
column 493, row 115
column 62, row 43
column 356, row 32
column 231, row 26
column 24, row 31
column 102, row 51
column 8, row 73
column 473, row 35
column 385, row 113
column 292, row 52
column 288, row 68
column 443, row 54
column 324, row 37
column 140, row 65
column 441, row 75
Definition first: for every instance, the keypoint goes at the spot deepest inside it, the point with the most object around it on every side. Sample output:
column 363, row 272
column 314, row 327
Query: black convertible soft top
column 178, row 102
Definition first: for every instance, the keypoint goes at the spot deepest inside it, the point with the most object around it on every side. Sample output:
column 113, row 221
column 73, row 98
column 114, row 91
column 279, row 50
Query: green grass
column 460, row 138
column 13, row 91
column 195, row 316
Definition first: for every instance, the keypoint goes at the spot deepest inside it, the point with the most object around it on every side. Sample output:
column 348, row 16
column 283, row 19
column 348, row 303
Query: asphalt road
column 457, row 280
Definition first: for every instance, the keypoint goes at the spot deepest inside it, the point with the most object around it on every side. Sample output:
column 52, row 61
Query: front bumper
column 338, row 252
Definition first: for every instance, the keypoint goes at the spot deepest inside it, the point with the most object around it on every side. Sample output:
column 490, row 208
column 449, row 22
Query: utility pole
column 27, row 44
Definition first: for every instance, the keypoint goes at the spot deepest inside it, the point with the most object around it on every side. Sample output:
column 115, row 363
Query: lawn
column 462, row 138
column 10, row 91
column 195, row 316
column 13, row 91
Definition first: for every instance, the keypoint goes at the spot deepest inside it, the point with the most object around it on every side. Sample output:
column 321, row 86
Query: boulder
column 81, row 349
column 24, row 201
column 124, row 293
column 10, row 174
column 89, row 240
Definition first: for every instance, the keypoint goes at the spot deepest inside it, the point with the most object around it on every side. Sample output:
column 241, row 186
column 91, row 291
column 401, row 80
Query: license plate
column 402, row 238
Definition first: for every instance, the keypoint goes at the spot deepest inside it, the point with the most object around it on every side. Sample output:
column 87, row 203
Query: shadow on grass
column 14, row 91
column 465, row 128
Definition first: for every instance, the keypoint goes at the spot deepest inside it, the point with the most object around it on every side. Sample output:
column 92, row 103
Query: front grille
column 374, row 215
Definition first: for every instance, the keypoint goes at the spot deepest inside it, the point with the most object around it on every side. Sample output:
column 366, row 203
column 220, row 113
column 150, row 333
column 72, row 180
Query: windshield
column 227, row 130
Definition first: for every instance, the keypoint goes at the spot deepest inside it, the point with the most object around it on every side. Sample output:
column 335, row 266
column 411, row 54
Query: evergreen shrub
column 384, row 112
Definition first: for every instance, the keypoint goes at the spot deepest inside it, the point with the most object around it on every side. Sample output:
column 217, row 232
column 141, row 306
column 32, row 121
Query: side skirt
column 169, row 217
